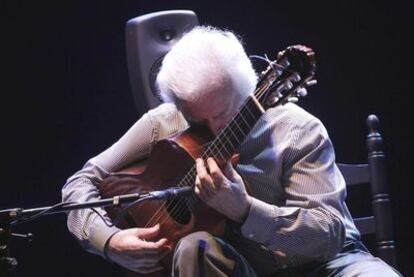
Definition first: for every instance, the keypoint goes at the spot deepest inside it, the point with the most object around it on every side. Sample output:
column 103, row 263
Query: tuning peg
column 287, row 85
column 302, row 92
column 293, row 99
column 29, row 236
column 311, row 82
column 273, row 101
column 284, row 63
column 295, row 77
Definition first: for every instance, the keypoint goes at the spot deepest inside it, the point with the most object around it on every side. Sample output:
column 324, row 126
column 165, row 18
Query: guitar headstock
column 286, row 78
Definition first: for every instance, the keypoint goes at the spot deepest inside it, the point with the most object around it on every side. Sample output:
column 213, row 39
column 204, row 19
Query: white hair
column 205, row 59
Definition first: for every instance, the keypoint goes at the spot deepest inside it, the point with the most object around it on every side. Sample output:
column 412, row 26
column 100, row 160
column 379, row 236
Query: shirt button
column 251, row 235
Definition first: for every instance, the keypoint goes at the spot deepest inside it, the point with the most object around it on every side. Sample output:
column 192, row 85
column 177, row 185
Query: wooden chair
column 374, row 173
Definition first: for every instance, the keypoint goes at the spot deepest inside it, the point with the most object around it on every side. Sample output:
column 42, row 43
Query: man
column 294, row 221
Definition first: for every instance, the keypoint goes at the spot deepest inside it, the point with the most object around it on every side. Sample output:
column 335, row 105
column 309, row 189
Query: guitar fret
column 227, row 142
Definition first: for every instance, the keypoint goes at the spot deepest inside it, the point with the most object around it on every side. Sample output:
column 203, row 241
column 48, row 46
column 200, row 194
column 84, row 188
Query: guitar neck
column 226, row 143
column 278, row 84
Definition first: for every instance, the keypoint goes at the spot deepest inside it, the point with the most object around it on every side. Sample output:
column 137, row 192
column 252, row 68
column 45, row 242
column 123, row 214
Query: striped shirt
column 298, row 213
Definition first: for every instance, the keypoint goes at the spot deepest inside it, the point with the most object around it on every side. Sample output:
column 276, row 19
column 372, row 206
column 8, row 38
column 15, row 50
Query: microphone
column 170, row 193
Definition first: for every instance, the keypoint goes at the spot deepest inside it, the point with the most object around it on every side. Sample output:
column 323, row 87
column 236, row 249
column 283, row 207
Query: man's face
column 214, row 110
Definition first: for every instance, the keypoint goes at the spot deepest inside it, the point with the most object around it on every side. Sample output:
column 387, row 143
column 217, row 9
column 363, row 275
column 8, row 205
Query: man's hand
column 222, row 190
column 130, row 249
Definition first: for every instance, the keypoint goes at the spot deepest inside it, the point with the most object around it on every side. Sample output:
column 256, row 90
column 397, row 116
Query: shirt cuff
column 259, row 221
column 264, row 219
column 100, row 235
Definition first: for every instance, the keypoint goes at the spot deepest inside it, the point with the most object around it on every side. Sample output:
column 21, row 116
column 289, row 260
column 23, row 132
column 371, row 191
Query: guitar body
column 168, row 163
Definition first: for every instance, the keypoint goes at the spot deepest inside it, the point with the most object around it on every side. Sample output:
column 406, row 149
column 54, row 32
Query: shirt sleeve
column 85, row 225
column 310, row 224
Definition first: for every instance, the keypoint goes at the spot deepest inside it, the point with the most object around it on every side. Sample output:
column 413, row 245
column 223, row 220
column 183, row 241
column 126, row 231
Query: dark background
column 65, row 97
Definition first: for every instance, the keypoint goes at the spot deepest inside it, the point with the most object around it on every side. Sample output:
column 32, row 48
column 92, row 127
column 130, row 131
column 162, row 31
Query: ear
column 148, row 38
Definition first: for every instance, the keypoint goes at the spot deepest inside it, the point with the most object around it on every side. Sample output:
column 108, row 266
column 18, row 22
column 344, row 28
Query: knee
column 361, row 264
column 192, row 242
column 187, row 253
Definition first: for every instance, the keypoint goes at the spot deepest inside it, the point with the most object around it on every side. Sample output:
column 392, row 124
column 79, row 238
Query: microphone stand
column 10, row 217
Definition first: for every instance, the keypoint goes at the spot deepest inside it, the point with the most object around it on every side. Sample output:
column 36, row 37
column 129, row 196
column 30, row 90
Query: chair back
column 374, row 173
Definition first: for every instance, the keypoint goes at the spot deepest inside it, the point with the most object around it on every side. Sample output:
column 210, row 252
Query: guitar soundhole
column 179, row 211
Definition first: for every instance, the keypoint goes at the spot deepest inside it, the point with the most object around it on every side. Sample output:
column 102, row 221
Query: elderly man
column 293, row 221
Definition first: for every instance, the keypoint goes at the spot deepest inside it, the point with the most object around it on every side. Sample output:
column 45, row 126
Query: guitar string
column 180, row 207
column 191, row 174
column 222, row 146
column 220, row 149
column 189, row 177
column 212, row 150
column 155, row 215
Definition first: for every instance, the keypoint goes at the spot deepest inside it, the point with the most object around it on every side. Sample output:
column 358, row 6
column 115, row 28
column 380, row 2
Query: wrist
column 107, row 248
column 246, row 210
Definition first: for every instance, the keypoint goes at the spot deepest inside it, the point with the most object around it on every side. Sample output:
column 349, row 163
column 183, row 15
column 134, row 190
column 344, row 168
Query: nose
column 216, row 126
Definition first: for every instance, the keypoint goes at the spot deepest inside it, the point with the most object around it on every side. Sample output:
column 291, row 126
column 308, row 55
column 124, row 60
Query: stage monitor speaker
column 148, row 38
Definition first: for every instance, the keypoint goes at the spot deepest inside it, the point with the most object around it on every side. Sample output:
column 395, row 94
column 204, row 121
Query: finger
column 202, row 172
column 197, row 187
column 142, row 247
column 201, row 191
column 235, row 159
column 206, row 189
column 162, row 243
column 231, row 173
column 206, row 183
column 201, row 168
column 216, row 173
column 148, row 233
column 154, row 245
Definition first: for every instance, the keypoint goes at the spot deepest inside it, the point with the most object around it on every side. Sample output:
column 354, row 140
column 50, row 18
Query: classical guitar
column 172, row 161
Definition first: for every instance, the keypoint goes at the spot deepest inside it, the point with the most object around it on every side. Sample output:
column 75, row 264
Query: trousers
column 201, row 254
